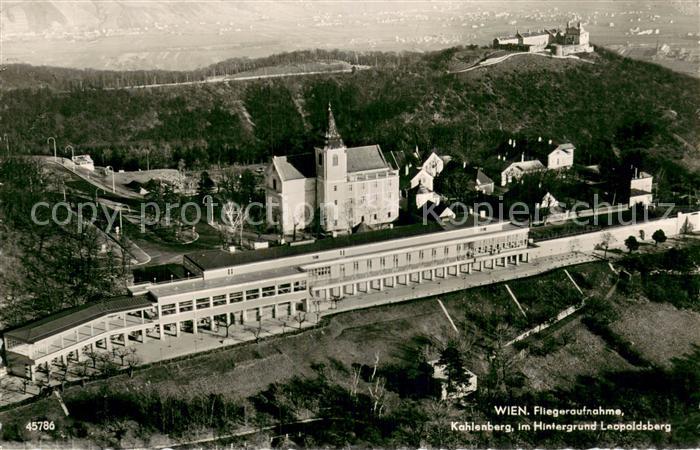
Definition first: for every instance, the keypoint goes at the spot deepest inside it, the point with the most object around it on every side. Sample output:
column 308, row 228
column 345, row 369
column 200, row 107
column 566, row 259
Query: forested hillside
column 403, row 102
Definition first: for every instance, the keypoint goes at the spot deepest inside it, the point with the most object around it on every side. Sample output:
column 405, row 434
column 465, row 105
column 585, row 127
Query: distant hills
column 186, row 35
column 615, row 110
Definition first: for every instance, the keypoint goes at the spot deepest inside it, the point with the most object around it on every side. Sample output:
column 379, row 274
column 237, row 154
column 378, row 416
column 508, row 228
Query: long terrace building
column 233, row 289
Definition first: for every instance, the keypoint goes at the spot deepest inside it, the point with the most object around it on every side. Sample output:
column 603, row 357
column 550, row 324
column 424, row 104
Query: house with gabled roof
column 517, row 170
column 561, row 157
column 484, row 184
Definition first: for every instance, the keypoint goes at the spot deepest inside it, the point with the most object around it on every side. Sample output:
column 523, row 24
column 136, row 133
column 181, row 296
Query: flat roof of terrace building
column 218, row 259
column 200, row 284
column 66, row 319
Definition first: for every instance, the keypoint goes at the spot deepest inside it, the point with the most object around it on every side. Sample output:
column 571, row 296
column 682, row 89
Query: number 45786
column 44, row 425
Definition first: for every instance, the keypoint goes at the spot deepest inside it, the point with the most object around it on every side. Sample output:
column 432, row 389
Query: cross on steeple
column 333, row 139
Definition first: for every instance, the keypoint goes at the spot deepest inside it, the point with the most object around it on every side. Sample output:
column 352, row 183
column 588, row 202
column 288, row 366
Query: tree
column 247, row 187
column 632, row 243
column 659, row 236
column 256, row 331
column 132, row 360
column 122, row 352
column 455, row 368
column 205, row 186
column 606, row 241
column 93, row 355
column 300, row 318
column 687, row 227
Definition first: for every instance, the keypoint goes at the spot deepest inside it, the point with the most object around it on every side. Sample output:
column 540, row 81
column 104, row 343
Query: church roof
column 333, row 139
column 368, row 157
column 360, row 159
column 295, row 167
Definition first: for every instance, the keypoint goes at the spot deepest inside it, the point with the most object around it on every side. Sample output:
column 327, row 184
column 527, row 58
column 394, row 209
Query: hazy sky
column 188, row 34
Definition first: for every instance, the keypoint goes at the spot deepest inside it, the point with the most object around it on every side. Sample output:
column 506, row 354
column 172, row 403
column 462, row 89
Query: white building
column 422, row 178
column 84, row 162
column 641, row 189
column 519, row 169
column 484, row 184
column 225, row 290
column 561, row 157
column 424, row 195
column 433, row 164
column 346, row 185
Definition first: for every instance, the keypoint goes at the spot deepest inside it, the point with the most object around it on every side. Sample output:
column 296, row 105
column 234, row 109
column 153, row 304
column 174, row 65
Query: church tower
column 332, row 175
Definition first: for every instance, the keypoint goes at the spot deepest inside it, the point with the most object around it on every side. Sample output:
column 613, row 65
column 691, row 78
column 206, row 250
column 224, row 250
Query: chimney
column 522, row 157
column 406, row 171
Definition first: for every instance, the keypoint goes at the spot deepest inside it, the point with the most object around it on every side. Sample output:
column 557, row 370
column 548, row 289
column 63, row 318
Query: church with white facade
column 345, row 186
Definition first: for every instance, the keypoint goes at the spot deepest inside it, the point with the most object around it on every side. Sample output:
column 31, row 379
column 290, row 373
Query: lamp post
column 111, row 169
column 72, row 155
column 48, row 141
column 121, row 208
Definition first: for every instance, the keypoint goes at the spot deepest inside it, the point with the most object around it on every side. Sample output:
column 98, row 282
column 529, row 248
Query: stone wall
column 587, row 242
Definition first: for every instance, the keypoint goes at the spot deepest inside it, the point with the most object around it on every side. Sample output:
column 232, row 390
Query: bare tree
column 606, row 240
column 355, row 379
column 107, row 363
column 25, row 384
column 377, row 392
column 256, row 331
column 93, row 355
column 121, row 353
column 300, row 318
column 132, row 359
column 82, row 369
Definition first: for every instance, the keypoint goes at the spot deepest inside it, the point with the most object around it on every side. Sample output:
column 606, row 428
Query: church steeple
column 333, row 139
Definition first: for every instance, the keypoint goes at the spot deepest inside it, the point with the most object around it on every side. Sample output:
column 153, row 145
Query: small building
column 433, row 164
column 423, row 194
column 561, row 157
column 441, row 211
column 460, row 391
column 421, row 177
column 84, row 162
column 503, row 41
column 641, row 189
column 519, row 169
column 484, row 184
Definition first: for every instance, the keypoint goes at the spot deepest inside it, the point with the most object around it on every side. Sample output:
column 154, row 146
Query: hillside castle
column 573, row 40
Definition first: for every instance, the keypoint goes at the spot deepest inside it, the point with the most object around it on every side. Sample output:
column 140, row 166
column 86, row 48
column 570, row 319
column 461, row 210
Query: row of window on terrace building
column 468, row 250
column 232, row 297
